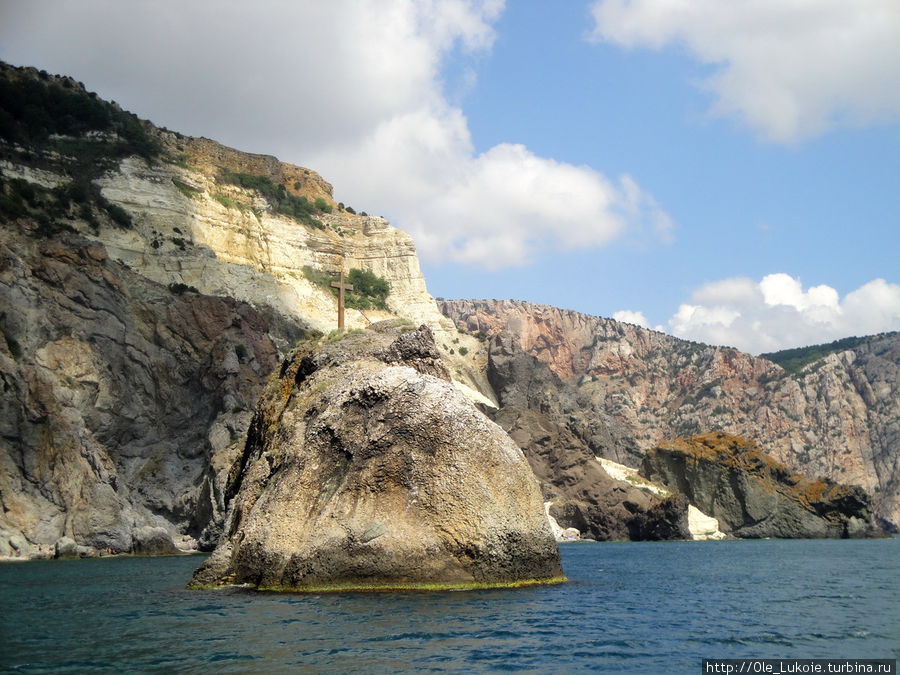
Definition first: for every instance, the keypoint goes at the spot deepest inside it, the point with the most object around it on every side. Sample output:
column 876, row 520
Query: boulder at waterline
column 365, row 468
column 754, row 496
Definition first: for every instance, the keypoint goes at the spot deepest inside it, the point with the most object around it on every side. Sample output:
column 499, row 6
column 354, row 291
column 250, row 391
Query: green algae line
column 398, row 587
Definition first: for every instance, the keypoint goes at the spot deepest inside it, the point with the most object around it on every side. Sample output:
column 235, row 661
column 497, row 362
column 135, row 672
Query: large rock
column 366, row 468
column 754, row 496
column 153, row 541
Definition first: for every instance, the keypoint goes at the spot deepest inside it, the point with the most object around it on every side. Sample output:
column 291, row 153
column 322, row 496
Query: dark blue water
column 630, row 607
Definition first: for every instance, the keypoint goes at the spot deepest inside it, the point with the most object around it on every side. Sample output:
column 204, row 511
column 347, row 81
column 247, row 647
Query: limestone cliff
column 149, row 283
column 366, row 469
column 838, row 417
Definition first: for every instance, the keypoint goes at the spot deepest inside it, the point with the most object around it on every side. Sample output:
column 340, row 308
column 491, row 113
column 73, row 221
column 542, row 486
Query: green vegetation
column 34, row 109
column 181, row 160
column 463, row 351
column 279, row 198
column 41, row 115
column 794, row 360
column 180, row 289
column 186, row 190
column 318, row 277
column 230, row 203
column 370, row 291
column 50, row 208
column 322, row 205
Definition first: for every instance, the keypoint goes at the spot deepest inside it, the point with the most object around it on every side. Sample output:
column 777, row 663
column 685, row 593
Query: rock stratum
column 366, row 469
column 754, row 496
column 622, row 390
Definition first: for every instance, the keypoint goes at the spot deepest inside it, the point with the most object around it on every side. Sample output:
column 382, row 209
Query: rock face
column 243, row 249
column 839, row 417
column 754, row 496
column 365, row 468
column 534, row 407
column 145, row 296
column 124, row 402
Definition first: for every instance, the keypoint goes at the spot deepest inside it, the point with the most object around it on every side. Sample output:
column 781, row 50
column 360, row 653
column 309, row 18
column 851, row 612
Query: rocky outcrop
column 754, row 496
column 534, row 408
column 124, row 402
column 148, row 286
column 838, row 417
column 365, row 468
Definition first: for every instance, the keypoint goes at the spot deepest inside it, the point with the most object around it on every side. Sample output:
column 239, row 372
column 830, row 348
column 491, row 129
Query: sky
column 726, row 171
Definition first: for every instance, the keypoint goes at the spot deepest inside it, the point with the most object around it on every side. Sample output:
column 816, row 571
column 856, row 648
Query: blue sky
column 729, row 172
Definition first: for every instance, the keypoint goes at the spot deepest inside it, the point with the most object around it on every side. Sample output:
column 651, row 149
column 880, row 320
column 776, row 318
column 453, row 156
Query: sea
column 628, row 608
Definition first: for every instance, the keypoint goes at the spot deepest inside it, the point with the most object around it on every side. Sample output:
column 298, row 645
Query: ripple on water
column 646, row 608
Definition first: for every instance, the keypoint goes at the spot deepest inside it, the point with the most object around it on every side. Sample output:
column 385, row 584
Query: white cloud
column 352, row 89
column 630, row 316
column 792, row 69
column 777, row 313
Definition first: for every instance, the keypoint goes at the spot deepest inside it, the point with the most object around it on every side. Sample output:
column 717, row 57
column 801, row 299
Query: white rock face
column 254, row 254
column 626, row 473
column 559, row 533
column 702, row 526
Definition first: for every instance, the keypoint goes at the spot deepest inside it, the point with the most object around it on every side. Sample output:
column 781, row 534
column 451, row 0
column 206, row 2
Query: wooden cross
column 341, row 286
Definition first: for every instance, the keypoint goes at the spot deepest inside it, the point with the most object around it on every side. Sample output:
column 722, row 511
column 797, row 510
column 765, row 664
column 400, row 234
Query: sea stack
column 366, row 469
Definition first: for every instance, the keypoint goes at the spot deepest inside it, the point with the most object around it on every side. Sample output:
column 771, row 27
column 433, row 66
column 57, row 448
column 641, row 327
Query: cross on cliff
column 341, row 286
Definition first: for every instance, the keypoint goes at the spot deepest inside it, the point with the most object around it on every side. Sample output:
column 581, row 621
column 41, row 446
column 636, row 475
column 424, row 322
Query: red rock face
column 837, row 418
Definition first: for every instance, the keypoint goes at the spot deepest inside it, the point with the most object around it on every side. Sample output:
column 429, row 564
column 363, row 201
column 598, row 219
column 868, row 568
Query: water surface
column 630, row 607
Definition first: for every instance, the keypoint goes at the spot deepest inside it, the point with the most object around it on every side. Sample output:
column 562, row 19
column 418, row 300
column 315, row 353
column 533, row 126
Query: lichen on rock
column 365, row 468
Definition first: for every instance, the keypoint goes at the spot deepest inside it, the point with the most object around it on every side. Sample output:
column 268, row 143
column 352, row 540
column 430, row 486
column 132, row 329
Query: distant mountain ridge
column 838, row 416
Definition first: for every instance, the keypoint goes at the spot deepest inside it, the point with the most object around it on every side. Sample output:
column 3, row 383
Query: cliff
column 561, row 434
column 149, row 283
column 123, row 400
column 837, row 417
column 752, row 495
column 366, row 469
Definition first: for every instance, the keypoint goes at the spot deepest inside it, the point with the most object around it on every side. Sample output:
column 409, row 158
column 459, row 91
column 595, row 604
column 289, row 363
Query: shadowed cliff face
column 561, row 434
column 836, row 418
column 365, row 468
column 752, row 495
column 124, row 403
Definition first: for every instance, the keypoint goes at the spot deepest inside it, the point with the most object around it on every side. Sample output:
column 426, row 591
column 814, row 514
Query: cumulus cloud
column 352, row 89
column 777, row 313
column 630, row 316
column 792, row 69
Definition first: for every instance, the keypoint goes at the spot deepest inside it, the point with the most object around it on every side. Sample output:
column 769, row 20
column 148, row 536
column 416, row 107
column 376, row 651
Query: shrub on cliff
column 32, row 110
column 370, row 291
column 283, row 202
